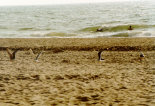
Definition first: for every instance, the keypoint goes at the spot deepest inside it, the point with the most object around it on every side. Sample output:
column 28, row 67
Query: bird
column 99, row 56
column 141, row 55
column 11, row 55
column 37, row 56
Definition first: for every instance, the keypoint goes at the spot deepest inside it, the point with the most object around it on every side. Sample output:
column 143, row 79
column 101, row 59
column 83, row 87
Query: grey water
column 79, row 20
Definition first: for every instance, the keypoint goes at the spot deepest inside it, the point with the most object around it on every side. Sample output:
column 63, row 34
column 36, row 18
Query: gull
column 99, row 56
column 11, row 55
column 32, row 53
column 141, row 55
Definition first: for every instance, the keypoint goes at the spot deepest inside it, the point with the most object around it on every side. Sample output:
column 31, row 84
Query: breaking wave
column 24, row 29
column 54, row 34
column 117, row 28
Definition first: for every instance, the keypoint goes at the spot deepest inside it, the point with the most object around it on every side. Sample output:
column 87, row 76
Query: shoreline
column 73, row 37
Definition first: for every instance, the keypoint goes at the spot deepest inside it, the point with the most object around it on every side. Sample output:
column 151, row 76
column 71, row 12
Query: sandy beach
column 68, row 72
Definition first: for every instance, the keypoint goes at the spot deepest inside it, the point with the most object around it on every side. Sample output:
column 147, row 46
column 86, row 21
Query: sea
column 79, row 20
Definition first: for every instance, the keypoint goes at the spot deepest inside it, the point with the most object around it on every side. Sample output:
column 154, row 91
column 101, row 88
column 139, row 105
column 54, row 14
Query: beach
column 68, row 72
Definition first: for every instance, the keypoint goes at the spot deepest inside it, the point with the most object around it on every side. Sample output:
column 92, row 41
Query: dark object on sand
column 11, row 55
column 99, row 55
column 130, row 28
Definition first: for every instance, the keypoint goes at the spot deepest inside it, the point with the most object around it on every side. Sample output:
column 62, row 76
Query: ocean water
column 79, row 20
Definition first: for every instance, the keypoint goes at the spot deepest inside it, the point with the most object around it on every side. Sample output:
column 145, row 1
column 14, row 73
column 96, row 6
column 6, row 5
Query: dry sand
column 68, row 72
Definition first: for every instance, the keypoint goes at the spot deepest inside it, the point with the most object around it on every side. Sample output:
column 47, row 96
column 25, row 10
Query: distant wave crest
column 59, row 34
column 24, row 29
column 117, row 28
column 53, row 34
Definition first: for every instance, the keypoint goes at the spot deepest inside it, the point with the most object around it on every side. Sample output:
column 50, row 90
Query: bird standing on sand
column 11, row 55
column 141, row 55
column 99, row 56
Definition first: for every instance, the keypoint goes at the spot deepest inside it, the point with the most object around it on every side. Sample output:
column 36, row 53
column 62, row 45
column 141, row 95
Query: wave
column 117, row 28
column 33, row 29
column 107, row 31
column 1, row 27
column 59, row 34
column 126, row 34
column 24, row 29
column 53, row 34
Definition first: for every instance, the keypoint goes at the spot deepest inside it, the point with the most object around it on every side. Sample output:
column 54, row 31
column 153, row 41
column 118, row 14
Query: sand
column 68, row 72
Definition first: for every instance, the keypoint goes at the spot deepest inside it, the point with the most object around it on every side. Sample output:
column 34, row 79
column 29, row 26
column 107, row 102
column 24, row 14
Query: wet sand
column 68, row 72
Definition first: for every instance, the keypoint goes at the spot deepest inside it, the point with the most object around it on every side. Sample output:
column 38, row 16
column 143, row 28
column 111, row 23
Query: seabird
column 11, row 55
column 141, row 55
column 99, row 56
column 32, row 53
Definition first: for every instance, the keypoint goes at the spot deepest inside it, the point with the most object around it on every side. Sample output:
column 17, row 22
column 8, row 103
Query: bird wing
column 38, row 55
column 14, row 53
column 8, row 51
column 31, row 52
